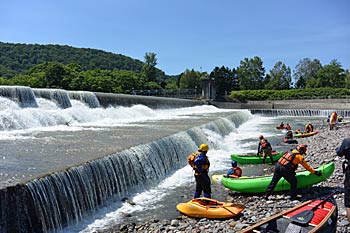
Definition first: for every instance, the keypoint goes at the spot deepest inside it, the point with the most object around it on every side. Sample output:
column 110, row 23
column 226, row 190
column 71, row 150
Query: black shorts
column 347, row 189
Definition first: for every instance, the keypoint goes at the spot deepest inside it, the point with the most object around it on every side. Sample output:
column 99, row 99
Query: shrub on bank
column 307, row 93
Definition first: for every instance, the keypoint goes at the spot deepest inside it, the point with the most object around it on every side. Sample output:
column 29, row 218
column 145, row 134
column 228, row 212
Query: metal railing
column 171, row 93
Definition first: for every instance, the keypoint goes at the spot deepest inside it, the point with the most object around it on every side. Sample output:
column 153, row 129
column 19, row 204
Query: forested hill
column 18, row 58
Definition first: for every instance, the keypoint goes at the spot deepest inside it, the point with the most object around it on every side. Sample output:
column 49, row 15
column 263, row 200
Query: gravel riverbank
column 321, row 149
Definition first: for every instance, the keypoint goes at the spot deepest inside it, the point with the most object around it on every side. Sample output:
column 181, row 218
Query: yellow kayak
column 209, row 208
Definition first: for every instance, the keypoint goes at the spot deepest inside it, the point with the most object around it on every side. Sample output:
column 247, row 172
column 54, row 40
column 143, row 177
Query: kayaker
column 282, row 124
column 234, row 172
column 264, row 148
column 288, row 127
column 200, row 164
column 344, row 150
column 286, row 167
column 309, row 128
column 289, row 134
column 332, row 120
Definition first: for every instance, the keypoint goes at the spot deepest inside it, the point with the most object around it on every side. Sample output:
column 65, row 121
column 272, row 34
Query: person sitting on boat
column 298, row 131
column 286, row 167
column 264, row 148
column 282, row 124
column 234, row 172
column 288, row 127
column 200, row 164
column 340, row 118
column 344, row 151
column 289, row 134
column 309, row 128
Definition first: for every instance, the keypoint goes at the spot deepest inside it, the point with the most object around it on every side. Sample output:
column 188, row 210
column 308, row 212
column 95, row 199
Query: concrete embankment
column 108, row 99
column 329, row 104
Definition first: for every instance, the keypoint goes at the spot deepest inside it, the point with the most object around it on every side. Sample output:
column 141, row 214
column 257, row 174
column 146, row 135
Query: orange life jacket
column 287, row 161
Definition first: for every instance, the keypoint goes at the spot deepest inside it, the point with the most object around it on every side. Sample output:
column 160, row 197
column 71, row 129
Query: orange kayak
column 210, row 208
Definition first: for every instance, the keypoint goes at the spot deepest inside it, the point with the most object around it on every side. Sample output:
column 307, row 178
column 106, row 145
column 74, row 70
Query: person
column 282, row 124
column 264, row 148
column 234, row 172
column 286, row 167
column 332, row 120
column 200, row 164
column 309, row 128
column 298, row 131
column 289, row 134
column 344, row 151
column 340, row 118
column 288, row 127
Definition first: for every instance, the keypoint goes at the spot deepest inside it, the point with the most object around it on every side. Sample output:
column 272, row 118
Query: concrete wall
column 108, row 99
column 328, row 104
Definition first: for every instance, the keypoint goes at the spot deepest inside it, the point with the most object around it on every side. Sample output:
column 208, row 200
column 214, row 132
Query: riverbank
column 321, row 149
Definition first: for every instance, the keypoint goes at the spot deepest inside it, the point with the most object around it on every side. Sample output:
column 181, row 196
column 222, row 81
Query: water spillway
column 53, row 174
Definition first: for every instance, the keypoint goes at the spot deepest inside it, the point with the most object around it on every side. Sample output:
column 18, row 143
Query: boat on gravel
column 255, row 159
column 304, row 135
column 310, row 216
column 210, row 208
column 259, row 184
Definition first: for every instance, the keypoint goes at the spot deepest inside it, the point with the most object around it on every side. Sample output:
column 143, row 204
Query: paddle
column 305, row 216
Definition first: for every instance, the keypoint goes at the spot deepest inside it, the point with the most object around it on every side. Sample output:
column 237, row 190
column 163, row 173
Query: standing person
column 286, row 167
column 200, row 164
column 344, row 150
column 264, row 148
column 332, row 120
column 234, row 172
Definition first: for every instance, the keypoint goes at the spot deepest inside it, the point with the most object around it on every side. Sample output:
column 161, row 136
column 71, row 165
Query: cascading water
column 57, row 176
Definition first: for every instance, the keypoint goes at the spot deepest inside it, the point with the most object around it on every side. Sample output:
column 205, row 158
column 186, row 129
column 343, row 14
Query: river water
column 47, row 139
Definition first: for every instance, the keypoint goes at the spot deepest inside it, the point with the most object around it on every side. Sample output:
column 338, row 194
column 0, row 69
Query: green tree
column 190, row 79
column 280, row 77
column 224, row 79
column 306, row 70
column 331, row 75
column 251, row 74
column 148, row 68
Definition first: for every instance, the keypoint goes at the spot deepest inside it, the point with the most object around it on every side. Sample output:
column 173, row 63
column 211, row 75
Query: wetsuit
column 344, row 150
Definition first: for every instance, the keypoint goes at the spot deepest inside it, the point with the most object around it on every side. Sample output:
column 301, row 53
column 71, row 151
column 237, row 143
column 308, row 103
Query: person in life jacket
column 288, row 127
column 264, row 148
column 344, row 151
column 200, row 164
column 332, row 120
column 289, row 134
column 286, row 167
column 234, row 172
column 309, row 128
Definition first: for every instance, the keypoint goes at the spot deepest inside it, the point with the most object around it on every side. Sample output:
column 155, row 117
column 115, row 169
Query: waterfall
column 60, row 97
column 86, row 97
column 24, row 96
column 63, row 198
column 299, row 112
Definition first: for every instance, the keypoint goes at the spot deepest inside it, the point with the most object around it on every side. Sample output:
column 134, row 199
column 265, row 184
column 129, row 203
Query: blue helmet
column 234, row 163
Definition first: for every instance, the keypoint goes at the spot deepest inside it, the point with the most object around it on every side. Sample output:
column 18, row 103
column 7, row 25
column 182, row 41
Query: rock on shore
column 321, row 149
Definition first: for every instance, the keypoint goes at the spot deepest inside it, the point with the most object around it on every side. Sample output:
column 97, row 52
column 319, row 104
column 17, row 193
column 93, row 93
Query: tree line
column 56, row 66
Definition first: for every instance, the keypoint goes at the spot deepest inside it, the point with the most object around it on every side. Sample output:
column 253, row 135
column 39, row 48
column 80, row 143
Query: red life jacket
column 287, row 161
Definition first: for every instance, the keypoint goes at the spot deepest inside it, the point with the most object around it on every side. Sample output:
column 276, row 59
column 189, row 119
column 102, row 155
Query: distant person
column 200, row 164
column 297, row 131
column 344, row 151
column 289, row 135
column 234, row 172
column 309, row 128
column 282, row 124
column 264, row 148
column 286, row 167
column 340, row 118
column 288, row 127
column 332, row 120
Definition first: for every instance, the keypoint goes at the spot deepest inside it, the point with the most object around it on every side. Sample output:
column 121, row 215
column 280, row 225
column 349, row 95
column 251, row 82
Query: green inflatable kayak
column 259, row 184
column 255, row 159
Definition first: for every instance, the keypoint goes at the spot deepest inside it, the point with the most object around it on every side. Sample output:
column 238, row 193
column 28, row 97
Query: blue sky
column 188, row 34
